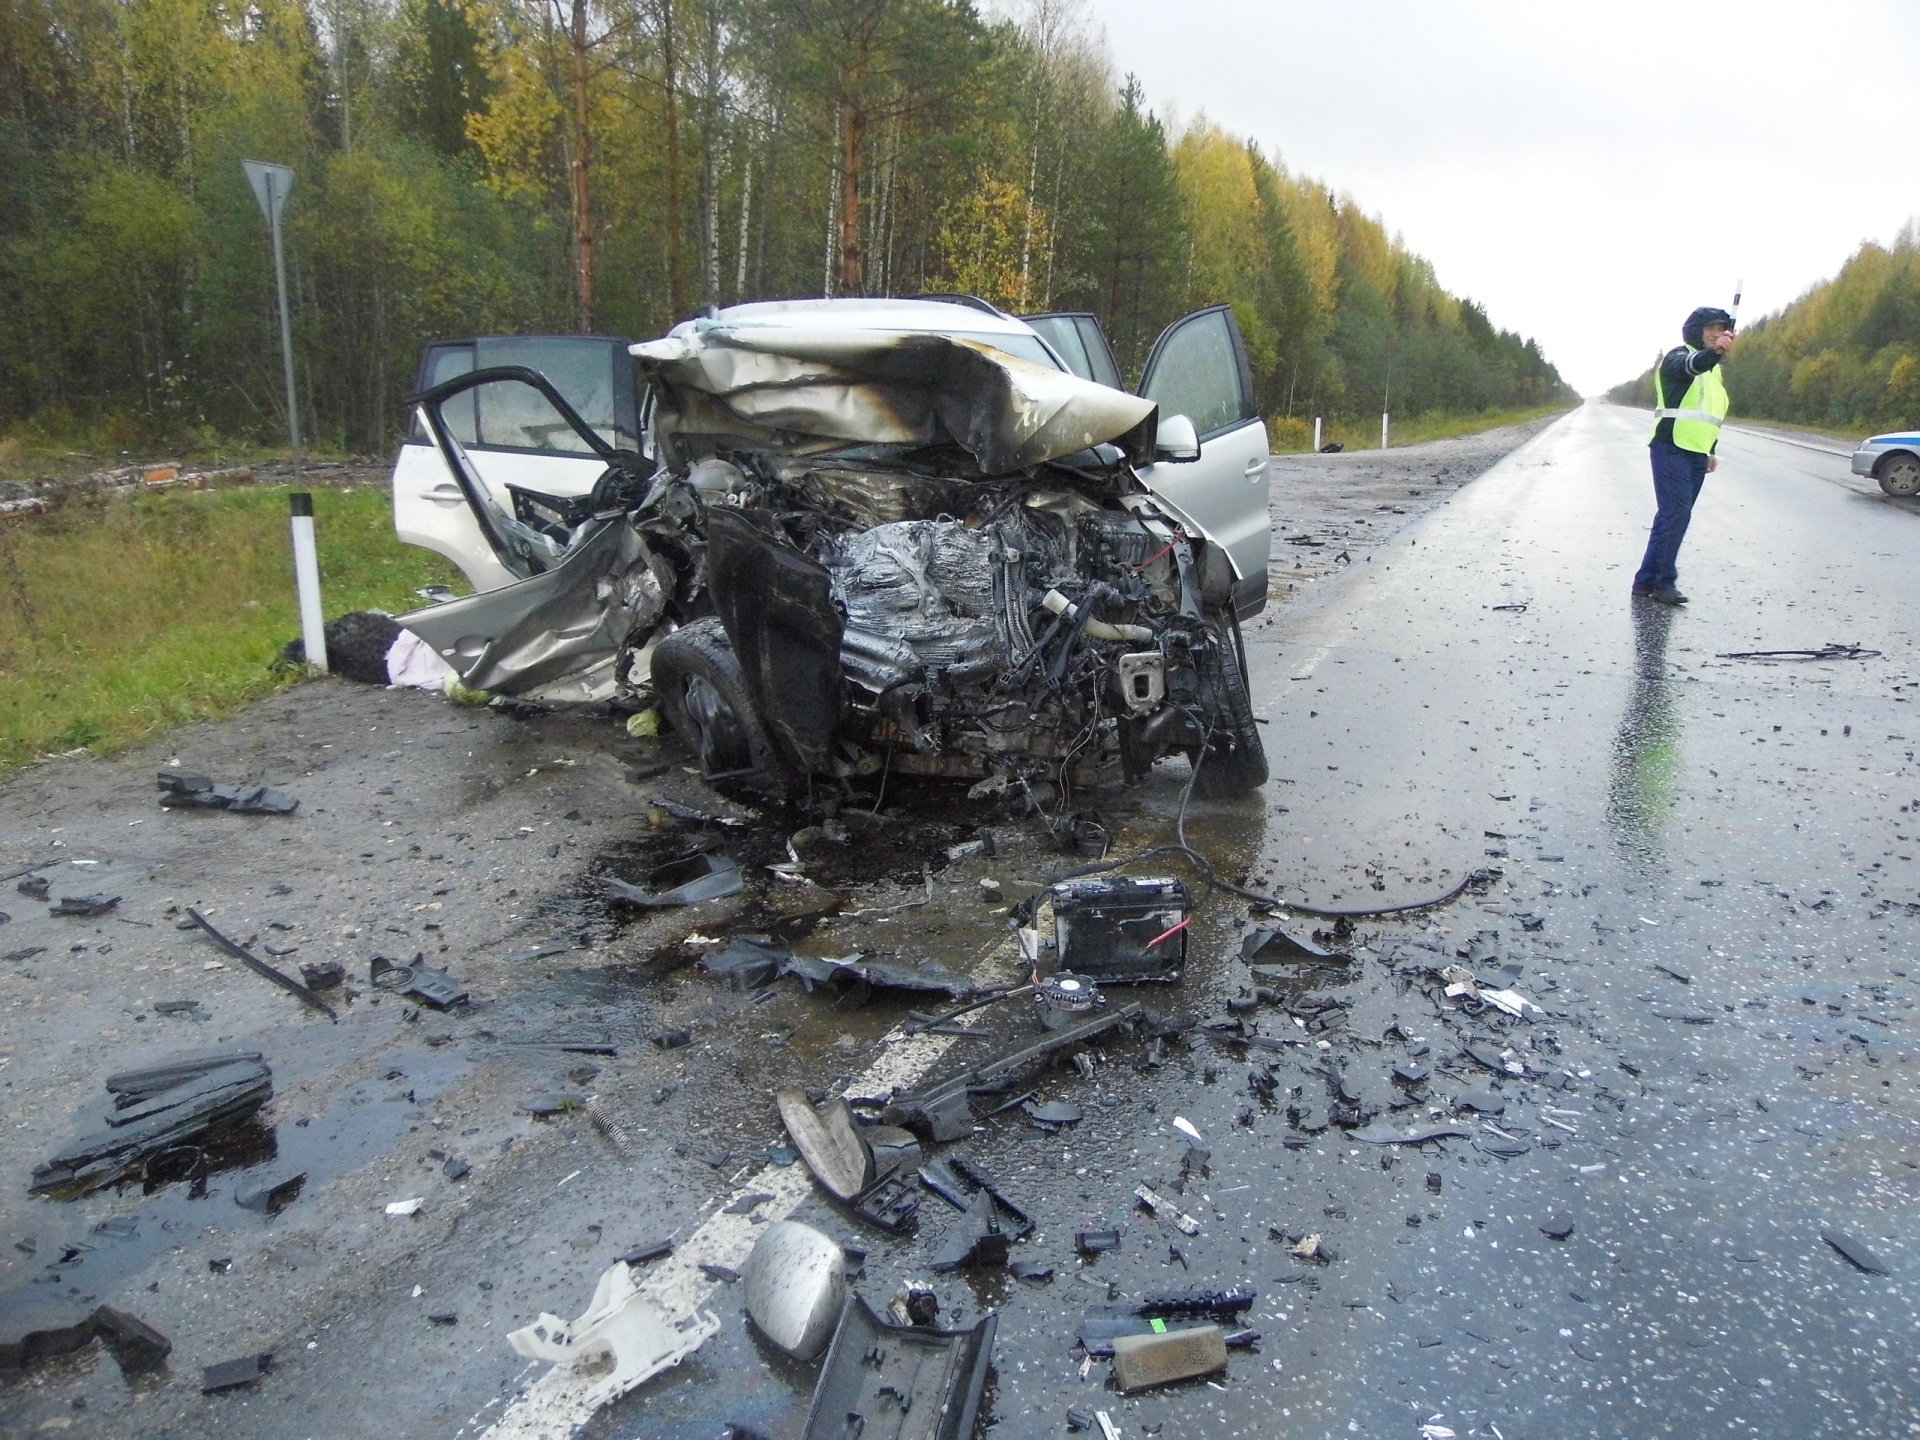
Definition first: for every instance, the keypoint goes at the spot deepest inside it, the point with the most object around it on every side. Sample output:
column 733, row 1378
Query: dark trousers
column 1677, row 477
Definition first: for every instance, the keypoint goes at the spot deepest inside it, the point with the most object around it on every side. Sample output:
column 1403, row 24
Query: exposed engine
column 1024, row 635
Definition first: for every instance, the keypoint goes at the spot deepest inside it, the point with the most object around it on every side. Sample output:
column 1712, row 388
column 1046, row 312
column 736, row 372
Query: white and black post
column 1316, row 434
column 306, row 579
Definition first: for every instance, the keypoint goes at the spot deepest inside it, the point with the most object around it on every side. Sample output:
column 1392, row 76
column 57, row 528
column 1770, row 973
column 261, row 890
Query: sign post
column 271, row 184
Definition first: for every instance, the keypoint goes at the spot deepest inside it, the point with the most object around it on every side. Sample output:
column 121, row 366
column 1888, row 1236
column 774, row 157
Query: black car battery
column 1121, row 927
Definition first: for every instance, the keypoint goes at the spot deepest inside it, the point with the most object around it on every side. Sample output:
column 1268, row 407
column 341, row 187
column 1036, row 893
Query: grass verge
column 1363, row 432
column 121, row 621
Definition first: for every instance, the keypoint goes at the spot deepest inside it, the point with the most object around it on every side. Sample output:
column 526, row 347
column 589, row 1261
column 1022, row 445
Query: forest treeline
column 1845, row 355
column 478, row 166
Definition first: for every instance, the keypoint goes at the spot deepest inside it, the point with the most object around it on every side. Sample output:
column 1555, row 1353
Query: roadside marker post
column 1384, row 429
column 1316, row 434
column 271, row 185
column 306, row 579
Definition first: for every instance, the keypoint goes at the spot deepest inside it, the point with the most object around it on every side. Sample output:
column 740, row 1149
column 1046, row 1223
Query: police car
column 1893, row 460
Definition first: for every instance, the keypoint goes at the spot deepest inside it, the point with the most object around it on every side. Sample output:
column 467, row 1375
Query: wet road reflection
column 1645, row 760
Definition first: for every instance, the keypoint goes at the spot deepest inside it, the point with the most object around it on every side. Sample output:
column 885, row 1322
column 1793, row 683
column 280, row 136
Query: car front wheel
column 703, row 695
column 1899, row 475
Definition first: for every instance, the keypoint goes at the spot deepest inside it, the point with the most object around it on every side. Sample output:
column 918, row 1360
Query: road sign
column 271, row 183
column 270, row 186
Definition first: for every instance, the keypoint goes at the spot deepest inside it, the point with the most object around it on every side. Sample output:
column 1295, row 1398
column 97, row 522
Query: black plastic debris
column 1831, row 651
column 26, row 952
column 434, row 987
column 200, row 792
column 1504, row 1146
column 1559, row 1227
column 930, row 978
column 940, row 1111
column 84, row 905
column 1856, row 1251
column 189, row 1008
column 35, row 887
column 976, row 1239
column 648, row 1251
column 1156, row 1314
column 1411, row 1072
column 1270, row 942
column 261, row 968
column 956, row 1180
column 323, row 974
column 748, row 1203
column 671, row 1039
column 443, row 1317
column 1673, row 974
column 229, row 1374
column 1096, row 1242
column 747, row 963
column 1121, row 927
column 724, row 1274
column 897, row 1382
column 1036, row 1271
column 272, row 1198
column 136, row 1346
column 1054, row 1113
column 1381, row 1132
column 455, row 1168
column 683, row 882
column 155, row 1110
column 891, row 1202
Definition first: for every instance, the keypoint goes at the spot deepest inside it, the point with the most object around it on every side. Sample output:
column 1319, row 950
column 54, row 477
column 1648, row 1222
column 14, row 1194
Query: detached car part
column 796, row 1287
column 897, row 1382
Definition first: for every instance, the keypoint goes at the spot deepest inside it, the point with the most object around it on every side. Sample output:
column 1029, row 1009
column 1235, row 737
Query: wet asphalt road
column 1646, row 812
column 1482, row 693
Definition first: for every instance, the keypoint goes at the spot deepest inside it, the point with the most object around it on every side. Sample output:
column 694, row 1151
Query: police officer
column 1690, row 405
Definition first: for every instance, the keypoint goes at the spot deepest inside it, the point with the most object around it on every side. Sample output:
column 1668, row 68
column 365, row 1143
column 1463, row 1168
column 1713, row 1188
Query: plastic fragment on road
column 619, row 1325
column 1558, row 1227
column 1856, row 1251
column 1433, row 1431
column 1187, row 1128
column 1513, row 1003
column 796, row 1287
column 156, row 1110
column 1166, row 1210
column 684, row 882
column 1108, row 1431
column 84, row 905
column 1143, row 1361
column 976, row 1239
column 260, row 967
column 828, row 1141
column 273, row 1197
column 1270, row 942
column 1380, row 1132
column 402, row 1208
column 1096, row 1242
column 435, row 987
column 898, row 1382
column 231, row 1373
column 199, row 792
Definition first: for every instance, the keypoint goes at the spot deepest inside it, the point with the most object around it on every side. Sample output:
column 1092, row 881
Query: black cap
column 1694, row 331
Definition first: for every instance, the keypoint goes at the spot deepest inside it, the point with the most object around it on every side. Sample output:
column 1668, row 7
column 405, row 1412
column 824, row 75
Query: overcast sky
column 1588, row 171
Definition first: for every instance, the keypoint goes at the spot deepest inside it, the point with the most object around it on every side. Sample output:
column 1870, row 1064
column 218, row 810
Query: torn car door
column 558, row 635
column 1199, row 369
column 512, row 437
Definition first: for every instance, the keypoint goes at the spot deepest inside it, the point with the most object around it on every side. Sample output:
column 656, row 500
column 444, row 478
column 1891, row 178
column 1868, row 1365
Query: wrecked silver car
column 889, row 537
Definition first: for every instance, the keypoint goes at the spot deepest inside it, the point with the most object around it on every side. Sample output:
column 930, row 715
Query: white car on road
column 1893, row 460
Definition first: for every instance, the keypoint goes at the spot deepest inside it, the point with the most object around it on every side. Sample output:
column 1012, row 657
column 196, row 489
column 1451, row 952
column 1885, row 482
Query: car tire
column 1233, row 761
column 1899, row 475
column 701, row 691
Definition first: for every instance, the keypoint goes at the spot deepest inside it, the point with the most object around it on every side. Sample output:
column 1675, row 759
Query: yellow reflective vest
column 1699, row 415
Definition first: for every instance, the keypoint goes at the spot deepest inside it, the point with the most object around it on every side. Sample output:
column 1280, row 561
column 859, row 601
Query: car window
column 516, row 415
column 1196, row 372
column 1099, row 352
column 1060, row 332
column 444, row 363
column 1024, row 347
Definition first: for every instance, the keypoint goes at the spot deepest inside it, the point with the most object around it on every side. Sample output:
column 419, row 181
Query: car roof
column 931, row 316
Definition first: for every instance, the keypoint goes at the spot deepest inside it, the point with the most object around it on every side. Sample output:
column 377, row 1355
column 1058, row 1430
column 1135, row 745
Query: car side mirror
column 1177, row 441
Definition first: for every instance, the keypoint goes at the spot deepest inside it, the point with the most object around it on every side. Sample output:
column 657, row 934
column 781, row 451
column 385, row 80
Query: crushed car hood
column 788, row 387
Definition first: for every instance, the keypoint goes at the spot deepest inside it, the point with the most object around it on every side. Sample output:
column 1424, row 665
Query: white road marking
column 554, row 1406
